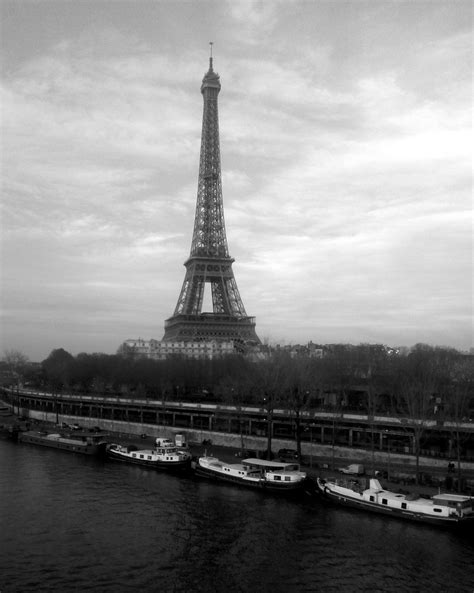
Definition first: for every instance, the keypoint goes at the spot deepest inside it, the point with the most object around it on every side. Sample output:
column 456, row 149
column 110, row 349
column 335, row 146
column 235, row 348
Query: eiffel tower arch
column 209, row 261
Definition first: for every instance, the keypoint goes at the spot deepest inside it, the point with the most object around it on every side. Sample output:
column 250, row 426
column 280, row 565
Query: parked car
column 288, row 455
column 247, row 454
column 354, row 469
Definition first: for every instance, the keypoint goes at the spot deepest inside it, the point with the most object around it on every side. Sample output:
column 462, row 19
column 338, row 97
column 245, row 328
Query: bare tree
column 371, row 369
column 270, row 381
column 302, row 378
column 15, row 361
column 459, row 393
column 418, row 383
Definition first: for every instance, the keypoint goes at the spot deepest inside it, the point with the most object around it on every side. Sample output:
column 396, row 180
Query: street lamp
column 311, row 426
column 268, row 405
column 387, row 435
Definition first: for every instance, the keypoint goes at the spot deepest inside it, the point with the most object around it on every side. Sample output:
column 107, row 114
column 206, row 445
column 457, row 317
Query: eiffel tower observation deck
column 209, row 261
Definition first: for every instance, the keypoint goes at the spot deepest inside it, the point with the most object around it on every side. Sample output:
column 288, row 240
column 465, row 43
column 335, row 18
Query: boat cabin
column 271, row 466
column 456, row 502
column 165, row 447
column 162, row 442
column 275, row 471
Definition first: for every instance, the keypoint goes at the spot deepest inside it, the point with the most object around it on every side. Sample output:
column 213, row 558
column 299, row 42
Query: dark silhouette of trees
column 423, row 385
column 418, row 382
column 58, row 369
column 371, row 369
column 302, row 378
column 459, row 393
column 269, row 377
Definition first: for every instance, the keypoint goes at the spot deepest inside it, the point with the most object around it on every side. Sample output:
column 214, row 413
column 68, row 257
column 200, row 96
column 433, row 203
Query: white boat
column 255, row 473
column 440, row 509
column 165, row 455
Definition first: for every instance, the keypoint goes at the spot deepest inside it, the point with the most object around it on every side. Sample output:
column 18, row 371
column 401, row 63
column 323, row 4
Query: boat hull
column 365, row 505
column 258, row 484
column 182, row 465
column 64, row 444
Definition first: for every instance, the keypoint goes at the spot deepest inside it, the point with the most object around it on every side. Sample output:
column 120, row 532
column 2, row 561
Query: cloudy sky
column 346, row 144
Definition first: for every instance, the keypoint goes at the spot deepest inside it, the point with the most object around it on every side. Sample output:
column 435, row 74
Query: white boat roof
column 140, row 451
column 270, row 464
column 213, row 462
column 421, row 500
column 451, row 497
column 386, row 493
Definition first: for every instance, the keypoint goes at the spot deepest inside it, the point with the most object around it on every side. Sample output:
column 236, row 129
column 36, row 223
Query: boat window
column 404, row 505
column 372, row 498
column 134, row 455
column 149, row 456
column 438, row 510
column 277, row 477
column 287, row 479
column 384, row 501
column 142, row 456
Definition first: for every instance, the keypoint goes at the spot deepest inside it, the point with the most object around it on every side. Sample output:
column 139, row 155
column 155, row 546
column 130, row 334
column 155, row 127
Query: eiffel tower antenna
column 211, row 43
column 209, row 262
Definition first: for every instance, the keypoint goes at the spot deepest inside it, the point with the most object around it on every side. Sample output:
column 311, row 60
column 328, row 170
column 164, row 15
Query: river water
column 69, row 523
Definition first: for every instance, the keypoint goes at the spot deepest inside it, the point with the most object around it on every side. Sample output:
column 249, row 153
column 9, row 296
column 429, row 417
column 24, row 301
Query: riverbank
column 318, row 460
column 433, row 479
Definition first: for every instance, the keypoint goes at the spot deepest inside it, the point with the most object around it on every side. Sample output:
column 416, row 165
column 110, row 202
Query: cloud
column 346, row 175
column 253, row 19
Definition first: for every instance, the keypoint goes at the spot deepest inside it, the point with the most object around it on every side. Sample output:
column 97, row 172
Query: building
column 192, row 332
column 160, row 350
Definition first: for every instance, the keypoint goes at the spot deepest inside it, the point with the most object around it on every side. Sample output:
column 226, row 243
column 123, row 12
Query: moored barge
column 165, row 455
column 255, row 473
column 445, row 509
column 84, row 443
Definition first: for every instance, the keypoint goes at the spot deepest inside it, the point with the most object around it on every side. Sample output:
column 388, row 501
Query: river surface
column 70, row 523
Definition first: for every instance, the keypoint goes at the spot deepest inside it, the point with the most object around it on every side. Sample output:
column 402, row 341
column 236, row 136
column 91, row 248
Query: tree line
column 422, row 382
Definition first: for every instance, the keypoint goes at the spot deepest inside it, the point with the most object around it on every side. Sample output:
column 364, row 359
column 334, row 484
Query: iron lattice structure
column 209, row 260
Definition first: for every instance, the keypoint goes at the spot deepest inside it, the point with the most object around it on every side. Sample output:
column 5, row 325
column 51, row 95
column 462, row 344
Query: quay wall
column 314, row 451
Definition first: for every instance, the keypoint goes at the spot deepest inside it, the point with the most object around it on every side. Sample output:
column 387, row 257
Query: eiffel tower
column 209, row 261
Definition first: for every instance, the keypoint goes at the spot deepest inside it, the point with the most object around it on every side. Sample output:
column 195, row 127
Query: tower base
column 211, row 326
